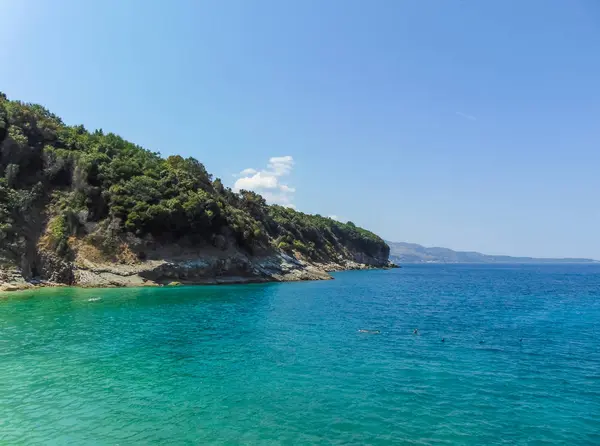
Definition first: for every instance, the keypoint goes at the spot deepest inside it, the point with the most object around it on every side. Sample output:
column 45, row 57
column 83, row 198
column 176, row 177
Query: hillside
column 90, row 208
column 413, row 253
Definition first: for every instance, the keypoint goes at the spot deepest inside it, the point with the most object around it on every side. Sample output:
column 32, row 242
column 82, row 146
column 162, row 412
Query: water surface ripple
column 286, row 364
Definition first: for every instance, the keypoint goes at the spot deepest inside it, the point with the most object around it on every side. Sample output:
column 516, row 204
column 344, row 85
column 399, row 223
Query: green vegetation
column 62, row 182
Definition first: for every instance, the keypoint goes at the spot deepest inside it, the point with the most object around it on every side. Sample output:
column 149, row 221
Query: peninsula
column 92, row 209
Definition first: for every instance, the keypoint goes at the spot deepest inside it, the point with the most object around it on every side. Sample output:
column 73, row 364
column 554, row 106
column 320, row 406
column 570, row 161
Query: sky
column 472, row 125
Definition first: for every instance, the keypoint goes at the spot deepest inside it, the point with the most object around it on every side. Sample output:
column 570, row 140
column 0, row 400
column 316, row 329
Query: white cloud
column 267, row 181
column 286, row 188
column 464, row 115
column 281, row 165
column 259, row 180
column 335, row 217
column 278, row 198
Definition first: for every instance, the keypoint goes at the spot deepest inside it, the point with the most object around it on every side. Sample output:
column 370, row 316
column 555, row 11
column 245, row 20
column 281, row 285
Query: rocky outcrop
column 135, row 263
column 211, row 268
column 56, row 269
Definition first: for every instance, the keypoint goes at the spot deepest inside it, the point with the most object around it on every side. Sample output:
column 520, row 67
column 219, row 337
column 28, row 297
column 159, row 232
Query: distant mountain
column 412, row 253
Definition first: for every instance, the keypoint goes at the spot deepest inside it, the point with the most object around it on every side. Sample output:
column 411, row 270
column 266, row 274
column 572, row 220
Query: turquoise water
column 285, row 363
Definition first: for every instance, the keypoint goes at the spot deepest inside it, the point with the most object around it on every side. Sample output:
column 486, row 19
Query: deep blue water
column 285, row 363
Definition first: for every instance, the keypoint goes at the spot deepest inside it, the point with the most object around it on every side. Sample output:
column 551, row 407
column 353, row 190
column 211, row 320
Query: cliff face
column 93, row 209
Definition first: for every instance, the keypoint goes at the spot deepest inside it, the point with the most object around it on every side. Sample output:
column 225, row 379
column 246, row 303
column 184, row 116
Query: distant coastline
column 412, row 253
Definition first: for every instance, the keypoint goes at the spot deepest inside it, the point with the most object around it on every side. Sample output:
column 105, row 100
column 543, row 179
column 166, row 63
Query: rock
column 174, row 284
column 210, row 266
column 55, row 269
column 220, row 242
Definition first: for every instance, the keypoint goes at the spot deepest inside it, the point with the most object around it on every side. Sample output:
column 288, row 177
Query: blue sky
column 466, row 124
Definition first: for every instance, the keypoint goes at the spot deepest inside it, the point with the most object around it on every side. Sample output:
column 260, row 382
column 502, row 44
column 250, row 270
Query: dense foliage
column 59, row 181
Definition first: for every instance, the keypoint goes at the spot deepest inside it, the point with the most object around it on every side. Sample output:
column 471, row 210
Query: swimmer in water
column 416, row 331
column 443, row 339
column 481, row 342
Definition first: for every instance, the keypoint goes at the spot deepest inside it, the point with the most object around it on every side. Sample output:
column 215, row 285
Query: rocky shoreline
column 199, row 270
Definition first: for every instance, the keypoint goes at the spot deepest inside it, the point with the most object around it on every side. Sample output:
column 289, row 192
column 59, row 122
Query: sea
column 502, row 354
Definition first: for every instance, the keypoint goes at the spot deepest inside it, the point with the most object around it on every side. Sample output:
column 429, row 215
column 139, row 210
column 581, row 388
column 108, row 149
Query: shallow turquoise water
column 285, row 364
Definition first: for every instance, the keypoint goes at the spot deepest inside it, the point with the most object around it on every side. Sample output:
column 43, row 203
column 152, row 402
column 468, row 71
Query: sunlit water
column 285, row 363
